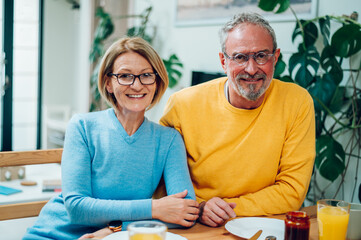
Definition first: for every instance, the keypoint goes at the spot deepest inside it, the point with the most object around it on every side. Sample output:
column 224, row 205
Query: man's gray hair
column 252, row 18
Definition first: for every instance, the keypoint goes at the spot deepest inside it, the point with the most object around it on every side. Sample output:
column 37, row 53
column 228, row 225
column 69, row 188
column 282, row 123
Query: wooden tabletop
column 201, row 232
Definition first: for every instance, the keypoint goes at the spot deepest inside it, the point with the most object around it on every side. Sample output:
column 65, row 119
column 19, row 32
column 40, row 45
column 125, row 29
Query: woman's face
column 133, row 98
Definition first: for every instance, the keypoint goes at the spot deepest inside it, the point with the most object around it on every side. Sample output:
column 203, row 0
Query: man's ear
column 223, row 62
column 277, row 54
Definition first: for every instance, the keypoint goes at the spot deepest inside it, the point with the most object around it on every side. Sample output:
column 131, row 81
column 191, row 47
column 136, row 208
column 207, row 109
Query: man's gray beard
column 251, row 95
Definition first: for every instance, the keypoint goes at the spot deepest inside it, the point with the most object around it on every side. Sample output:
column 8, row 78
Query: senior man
column 250, row 139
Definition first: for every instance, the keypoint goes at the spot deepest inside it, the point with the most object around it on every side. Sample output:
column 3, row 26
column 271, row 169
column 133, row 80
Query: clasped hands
column 175, row 209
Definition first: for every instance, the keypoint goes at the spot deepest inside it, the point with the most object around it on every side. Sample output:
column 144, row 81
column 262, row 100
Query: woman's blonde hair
column 143, row 48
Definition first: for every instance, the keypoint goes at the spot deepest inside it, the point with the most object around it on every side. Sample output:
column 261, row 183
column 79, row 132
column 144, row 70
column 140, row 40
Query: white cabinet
column 55, row 121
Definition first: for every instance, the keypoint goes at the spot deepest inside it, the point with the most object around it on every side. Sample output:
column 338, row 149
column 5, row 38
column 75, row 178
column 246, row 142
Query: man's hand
column 216, row 211
column 175, row 209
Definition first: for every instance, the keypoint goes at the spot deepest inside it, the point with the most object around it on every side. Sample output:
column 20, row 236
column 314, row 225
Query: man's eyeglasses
column 259, row 57
column 128, row 79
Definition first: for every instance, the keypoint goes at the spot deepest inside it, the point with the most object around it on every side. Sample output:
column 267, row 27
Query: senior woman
column 114, row 159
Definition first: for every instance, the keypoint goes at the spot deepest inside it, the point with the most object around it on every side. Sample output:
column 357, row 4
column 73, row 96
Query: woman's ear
column 108, row 85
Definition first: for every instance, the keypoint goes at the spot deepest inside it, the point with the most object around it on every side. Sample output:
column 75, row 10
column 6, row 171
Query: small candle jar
column 297, row 226
column 271, row 238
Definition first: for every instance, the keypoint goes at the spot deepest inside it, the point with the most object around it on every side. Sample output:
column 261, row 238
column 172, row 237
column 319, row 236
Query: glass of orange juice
column 147, row 230
column 332, row 218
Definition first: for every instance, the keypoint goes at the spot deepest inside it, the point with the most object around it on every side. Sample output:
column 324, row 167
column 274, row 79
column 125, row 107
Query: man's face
column 251, row 80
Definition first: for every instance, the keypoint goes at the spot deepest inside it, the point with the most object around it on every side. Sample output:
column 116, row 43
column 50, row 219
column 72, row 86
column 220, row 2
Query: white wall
column 84, row 33
column 66, row 67
column 60, row 53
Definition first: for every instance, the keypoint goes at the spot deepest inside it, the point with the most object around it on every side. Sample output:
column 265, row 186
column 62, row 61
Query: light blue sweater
column 108, row 175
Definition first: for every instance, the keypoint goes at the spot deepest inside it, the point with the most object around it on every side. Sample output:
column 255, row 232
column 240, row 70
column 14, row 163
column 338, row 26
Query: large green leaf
column 346, row 40
column 280, row 67
column 330, row 64
column 322, row 90
column 278, row 6
column 325, row 26
column 338, row 100
column 174, row 67
column 330, row 157
column 303, row 65
column 286, row 79
column 297, row 31
column 310, row 32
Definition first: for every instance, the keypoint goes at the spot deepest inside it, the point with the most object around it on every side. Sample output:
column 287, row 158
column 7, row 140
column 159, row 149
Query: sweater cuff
column 142, row 209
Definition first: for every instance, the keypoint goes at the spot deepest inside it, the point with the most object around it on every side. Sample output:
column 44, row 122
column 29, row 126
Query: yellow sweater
column 261, row 159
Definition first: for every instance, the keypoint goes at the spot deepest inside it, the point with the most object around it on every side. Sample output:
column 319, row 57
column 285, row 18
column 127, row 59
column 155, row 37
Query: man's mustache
column 250, row 77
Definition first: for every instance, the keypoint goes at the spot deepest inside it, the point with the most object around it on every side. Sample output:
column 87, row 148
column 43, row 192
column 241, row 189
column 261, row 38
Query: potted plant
column 326, row 64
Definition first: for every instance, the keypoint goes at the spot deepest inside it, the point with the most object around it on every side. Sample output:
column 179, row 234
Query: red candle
column 297, row 226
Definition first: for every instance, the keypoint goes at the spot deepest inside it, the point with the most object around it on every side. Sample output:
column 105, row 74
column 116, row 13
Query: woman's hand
column 100, row 234
column 175, row 209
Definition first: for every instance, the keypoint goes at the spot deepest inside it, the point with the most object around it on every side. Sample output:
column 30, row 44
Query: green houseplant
column 104, row 29
column 328, row 65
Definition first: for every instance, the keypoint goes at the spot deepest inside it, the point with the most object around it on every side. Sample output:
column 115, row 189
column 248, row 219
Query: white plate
column 246, row 227
column 123, row 235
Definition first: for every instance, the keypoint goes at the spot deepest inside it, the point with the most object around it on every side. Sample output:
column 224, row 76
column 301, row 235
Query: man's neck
column 239, row 101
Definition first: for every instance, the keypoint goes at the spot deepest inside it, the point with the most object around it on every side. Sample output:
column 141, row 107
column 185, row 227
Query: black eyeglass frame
column 134, row 77
column 248, row 57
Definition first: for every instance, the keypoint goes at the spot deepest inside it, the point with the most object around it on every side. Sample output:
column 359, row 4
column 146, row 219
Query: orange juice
column 142, row 236
column 332, row 223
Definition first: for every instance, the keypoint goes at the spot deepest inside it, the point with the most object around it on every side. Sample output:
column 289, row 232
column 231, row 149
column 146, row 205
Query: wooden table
column 202, row 232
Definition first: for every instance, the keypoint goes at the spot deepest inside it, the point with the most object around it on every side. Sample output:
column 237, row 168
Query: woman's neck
column 130, row 121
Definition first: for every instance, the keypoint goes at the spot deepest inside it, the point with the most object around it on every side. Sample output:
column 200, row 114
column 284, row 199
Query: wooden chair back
column 20, row 158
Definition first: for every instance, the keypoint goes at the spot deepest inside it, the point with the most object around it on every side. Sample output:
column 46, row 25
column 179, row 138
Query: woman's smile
column 135, row 95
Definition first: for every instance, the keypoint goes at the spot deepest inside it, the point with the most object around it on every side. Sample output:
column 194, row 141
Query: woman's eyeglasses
column 128, row 79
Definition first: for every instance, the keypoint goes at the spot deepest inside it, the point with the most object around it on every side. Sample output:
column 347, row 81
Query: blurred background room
column 50, row 50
